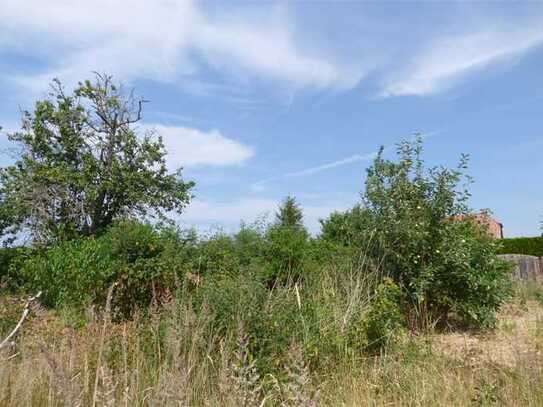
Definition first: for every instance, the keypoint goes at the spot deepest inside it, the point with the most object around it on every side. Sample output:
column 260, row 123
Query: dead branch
column 24, row 315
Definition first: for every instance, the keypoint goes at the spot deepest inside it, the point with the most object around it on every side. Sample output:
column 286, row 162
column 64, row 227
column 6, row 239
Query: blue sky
column 257, row 100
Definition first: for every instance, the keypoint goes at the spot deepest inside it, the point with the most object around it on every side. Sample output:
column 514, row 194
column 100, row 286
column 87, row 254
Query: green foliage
column 216, row 255
column 384, row 318
column 231, row 299
column 280, row 249
column 74, row 272
column 11, row 214
column 84, row 166
column 442, row 265
column 145, row 265
column 532, row 246
column 7, row 256
column 349, row 228
column 285, row 251
column 467, row 278
column 326, row 295
column 304, row 313
column 289, row 214
column 249, row 243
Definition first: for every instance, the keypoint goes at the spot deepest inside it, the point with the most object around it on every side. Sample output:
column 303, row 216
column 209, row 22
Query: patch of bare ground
column 517, row 337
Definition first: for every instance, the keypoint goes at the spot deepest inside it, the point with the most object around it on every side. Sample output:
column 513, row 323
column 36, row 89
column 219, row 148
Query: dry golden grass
column 503, row 367
column 170, row 362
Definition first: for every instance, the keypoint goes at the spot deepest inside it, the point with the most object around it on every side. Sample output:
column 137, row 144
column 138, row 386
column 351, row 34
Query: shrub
column 216, row 255
column 231, row 299
column 440, row 265
column 349, row 228
column 7, row 256
column 144, row 263
column 468, row 280
column 384, row 319
column 285, row 251
column 75, row 272
column 532, row 246
column 249, row 243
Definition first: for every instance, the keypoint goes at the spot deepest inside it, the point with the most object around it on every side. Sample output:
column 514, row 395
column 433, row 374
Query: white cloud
column 189, row 147
column 228, row 214
column 446, row 60
column 159, row 40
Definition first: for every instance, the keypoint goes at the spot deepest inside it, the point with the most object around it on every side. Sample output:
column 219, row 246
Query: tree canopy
column 84, row 163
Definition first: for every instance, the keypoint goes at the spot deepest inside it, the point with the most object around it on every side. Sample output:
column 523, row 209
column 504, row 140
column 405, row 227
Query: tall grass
column 297, row 348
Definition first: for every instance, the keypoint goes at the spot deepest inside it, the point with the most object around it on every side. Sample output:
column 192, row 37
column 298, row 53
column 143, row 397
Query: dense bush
column 532, row 246
column 232, row 299
column 7, row 255
column 285, row 251
column 287, row 245
column 401, row 258
column 215, row 255
column 404, row 257
column 145, row 264
column 384, row 319
column 442, row 265
column 349, row 228
column 249, row 243
column 467, row 279
column 75, row 272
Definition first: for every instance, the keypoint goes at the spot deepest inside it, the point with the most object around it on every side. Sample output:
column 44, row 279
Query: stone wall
column 527, row 268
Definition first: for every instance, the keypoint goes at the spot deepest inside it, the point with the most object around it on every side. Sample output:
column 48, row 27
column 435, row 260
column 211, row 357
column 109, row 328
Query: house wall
column 494, row 228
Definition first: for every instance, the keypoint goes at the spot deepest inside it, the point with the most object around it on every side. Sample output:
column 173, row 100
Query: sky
column 258, row 100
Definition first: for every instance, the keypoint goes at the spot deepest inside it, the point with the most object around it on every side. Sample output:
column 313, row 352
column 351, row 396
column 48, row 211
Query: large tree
column 84, row 164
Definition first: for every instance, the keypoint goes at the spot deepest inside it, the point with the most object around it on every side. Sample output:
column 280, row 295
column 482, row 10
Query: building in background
column 494, row 228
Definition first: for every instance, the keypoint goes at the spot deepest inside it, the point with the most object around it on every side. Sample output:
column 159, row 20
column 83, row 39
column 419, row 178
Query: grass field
column 163, row 359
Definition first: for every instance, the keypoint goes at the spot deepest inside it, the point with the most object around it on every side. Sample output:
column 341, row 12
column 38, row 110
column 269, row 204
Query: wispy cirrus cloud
column 259, row 185
column 446, row 60
column 186, row 43
column 161, row 40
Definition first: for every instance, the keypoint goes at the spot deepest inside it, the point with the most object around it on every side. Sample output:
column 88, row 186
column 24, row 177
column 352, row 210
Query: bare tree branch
column 24, row 315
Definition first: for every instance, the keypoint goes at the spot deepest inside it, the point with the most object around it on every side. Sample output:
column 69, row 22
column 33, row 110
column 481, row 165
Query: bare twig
column 24, row 315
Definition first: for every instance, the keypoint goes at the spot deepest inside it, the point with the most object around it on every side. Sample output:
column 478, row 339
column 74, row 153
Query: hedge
column 532, row 246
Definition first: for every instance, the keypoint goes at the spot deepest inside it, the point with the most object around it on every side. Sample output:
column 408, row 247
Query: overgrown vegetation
column 267, row 312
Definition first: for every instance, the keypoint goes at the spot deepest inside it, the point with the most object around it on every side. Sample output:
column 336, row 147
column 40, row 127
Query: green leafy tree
column 349, row 228
column 287, row 243
column 85, row 164
column 443, row 264
column 289, row 214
